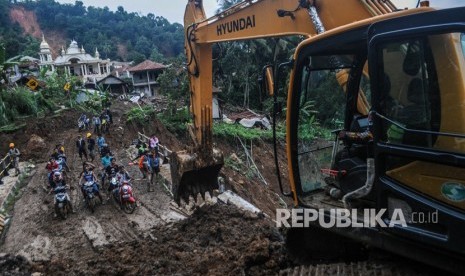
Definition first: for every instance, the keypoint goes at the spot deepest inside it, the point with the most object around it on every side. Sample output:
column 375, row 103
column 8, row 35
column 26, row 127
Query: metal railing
column 5, row 165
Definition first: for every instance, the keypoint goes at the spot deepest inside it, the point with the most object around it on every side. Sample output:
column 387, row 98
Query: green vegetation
column 231, row 131
column 118, row 35
column 176, row 123
column 20, row 101
column 175, row 86
column 140, row 115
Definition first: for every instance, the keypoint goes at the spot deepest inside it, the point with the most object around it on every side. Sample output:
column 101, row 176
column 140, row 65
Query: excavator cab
column 411, row 103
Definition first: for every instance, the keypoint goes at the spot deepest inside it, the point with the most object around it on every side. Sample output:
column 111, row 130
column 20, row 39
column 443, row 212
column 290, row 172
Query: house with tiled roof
column 144, row 77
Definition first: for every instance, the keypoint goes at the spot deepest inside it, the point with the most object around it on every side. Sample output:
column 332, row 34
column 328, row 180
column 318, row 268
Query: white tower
column 45, row 54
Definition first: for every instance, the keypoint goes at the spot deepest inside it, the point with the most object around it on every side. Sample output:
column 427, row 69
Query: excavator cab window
column 322, row 104
column 419, row 119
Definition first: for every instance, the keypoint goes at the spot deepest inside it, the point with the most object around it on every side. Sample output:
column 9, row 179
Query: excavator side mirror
column 267, row 80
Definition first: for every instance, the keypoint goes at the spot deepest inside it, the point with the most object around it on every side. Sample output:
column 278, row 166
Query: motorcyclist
column 122, row 175
column 61, row 158
column 106, row 162
column 105, row 149
column 58, row 185
column 111, row 171
column 51, row 167
column 82, row 121
column 89, row 176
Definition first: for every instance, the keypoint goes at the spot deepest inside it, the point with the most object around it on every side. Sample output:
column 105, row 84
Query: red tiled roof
column 147, row 65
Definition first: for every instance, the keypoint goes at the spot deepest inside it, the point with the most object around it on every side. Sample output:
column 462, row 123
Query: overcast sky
column 173, row 10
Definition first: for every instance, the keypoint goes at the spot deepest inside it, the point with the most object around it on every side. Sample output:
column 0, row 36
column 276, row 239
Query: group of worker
column 148, row 160
column 13, row 162
column 101, row 122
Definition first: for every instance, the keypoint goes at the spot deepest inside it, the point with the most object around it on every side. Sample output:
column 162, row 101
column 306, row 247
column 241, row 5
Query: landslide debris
column 215, row 240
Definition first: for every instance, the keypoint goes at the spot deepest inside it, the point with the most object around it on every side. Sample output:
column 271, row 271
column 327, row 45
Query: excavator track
column 343, row 269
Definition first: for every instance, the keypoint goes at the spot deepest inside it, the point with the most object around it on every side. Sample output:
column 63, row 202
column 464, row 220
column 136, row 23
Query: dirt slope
column 27, row 20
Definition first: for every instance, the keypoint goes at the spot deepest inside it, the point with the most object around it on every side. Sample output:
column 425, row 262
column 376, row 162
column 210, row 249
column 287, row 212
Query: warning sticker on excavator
column 453, row 191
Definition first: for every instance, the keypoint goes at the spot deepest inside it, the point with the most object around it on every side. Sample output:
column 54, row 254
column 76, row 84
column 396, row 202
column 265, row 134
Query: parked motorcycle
column 90, row 195
column 123, row 195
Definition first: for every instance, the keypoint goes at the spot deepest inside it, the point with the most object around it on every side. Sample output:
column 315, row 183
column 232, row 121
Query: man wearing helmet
column 91, row 146
column 89, row 176
column 123, row 174
column 51, row 167
column 59, row 186
column 111, row 171
column 14, row 154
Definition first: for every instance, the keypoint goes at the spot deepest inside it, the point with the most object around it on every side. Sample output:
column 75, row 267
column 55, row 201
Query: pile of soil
column 216, row 240
column 14, row 265
column 46, row 128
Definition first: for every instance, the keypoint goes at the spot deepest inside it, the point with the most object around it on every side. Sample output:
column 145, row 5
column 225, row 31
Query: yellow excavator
column 393, row 83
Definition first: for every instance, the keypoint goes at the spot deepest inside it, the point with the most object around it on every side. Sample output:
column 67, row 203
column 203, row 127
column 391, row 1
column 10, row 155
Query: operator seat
column 417, row 114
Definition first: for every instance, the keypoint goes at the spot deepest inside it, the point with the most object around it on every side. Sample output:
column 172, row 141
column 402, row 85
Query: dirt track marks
column 41, row 249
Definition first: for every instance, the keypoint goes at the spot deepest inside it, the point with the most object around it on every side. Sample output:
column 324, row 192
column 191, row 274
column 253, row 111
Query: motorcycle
column 81, row 126
column 90, row 196
column 123, row 196
column 62, row 166
column 62, row 207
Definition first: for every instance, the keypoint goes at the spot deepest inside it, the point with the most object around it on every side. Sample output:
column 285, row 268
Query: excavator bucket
column 194, row 173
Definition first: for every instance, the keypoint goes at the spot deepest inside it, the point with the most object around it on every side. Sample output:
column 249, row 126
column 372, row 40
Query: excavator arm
column 196, row 170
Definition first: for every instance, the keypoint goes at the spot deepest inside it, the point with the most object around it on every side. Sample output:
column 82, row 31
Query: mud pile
column 218, row 240
column 14, row 265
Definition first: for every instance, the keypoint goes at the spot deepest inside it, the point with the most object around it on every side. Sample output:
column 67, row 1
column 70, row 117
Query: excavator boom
column 196, row 169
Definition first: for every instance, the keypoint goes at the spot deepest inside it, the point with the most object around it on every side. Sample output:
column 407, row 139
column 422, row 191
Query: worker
column 14, row 154
column 97, row 122
column 106, row 162
column 110, row 116
column 91, row 146
column 153, row 162
column 143, row 164
column 153, row 143
column 100, row 142
column 81, row 146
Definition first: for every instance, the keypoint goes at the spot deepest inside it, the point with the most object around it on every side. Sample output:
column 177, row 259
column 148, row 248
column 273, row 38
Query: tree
column 157, row 56
column 171, row 85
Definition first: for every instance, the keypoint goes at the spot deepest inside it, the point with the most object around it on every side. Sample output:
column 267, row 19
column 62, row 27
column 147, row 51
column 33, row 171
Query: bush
column 177, row 122
column 140, row 115
column 229, row 131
